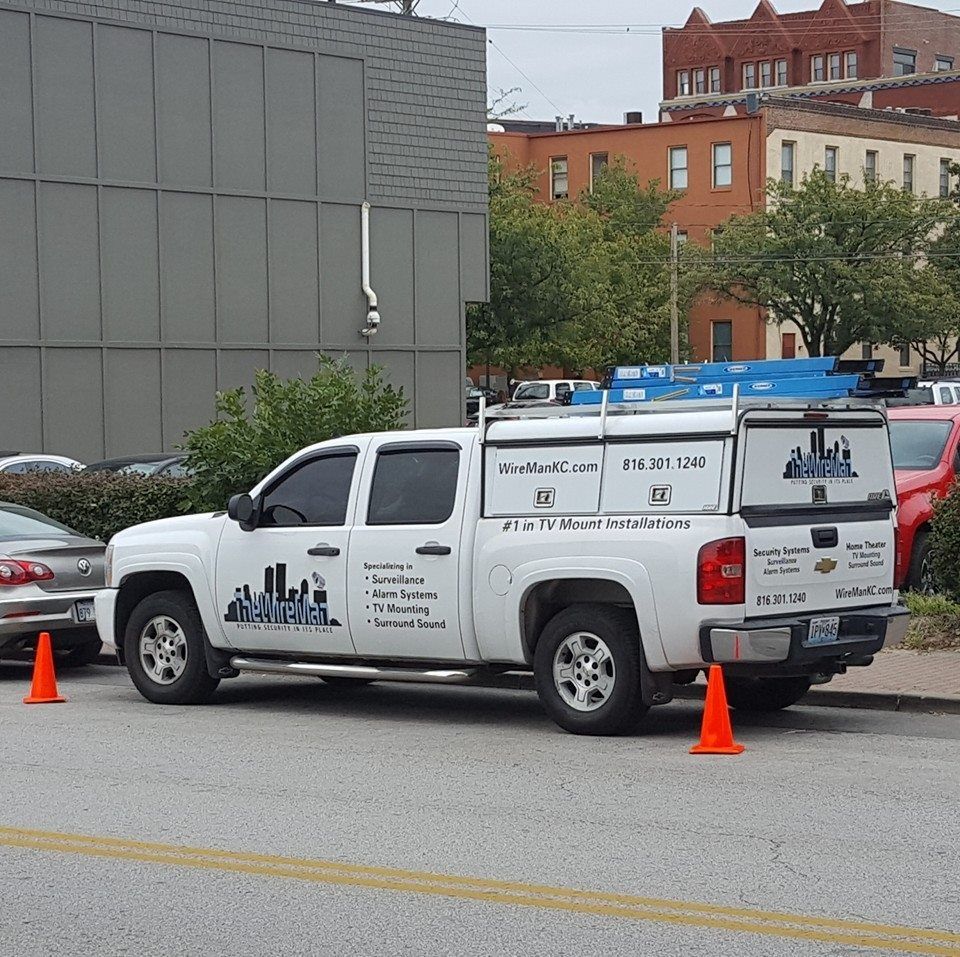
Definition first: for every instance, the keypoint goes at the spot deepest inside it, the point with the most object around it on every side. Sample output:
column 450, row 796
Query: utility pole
column 674, row 295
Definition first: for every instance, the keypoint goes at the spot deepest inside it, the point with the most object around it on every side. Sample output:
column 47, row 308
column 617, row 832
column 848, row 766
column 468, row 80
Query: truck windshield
column 918, row 444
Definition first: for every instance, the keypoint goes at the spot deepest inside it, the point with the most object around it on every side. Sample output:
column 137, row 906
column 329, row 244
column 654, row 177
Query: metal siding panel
column 238, row 134
column 294, row 275
column 295, row 364
column 183, row 110
column 19, row 310
column 65, row 110
column 73, row 403
column 237, row 367
column 473, row 251
column 438, row 279
column 16, row 141
column 187, row 277
column 125, row 104
column 241, row 246
column 189, row 385
column 341, row 112
column 440, row 394
column 131, row 283
column 132, row 401
column 69, row 262
column 343, row 307
column 20, row 390
column 291, row 123
column 391, row 273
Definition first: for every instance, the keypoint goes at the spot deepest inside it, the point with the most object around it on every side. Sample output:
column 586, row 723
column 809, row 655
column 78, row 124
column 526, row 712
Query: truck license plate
column 823, row 630
column 83, row 610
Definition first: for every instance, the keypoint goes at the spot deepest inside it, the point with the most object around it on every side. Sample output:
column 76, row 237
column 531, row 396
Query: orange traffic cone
column 44, row 687
column 716, row 735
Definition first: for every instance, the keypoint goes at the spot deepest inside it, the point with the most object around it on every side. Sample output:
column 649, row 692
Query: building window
column 781, row 72
column 749, row 76
column 714, row 79
column 830, row 162
column 681, row 236
column 683, row 83
column 904, row 62
column 788, row 345
column 866, row 350
column 722, row 164
column 851, row 58
column 905, row 355
column 870, row 167
column 908, row 161
column 558, row 178
column 678, row 167
column 722, row 345
column 766, row 73
column 597, row 163
column 944, row 178
column 700, row 81
column 836, row 70
column 942, row 63
column 787, row 155
column 817, row 69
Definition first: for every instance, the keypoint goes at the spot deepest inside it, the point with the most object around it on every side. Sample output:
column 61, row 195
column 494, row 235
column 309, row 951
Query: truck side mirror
column 241, row 509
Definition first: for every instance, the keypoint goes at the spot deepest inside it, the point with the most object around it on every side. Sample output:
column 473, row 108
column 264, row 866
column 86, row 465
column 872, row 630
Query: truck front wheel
column 765, row 694
column 163, row 648
column 587, row 670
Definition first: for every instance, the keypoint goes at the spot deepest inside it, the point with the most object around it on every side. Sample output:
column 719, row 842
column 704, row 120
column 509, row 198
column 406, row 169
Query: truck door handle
column 434, row 550
column 327, row 550
column 824, row 537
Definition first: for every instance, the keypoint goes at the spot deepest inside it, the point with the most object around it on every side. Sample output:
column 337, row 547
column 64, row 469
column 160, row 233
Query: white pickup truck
column 613, row 555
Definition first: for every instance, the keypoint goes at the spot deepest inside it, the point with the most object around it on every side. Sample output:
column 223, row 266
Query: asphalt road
column 312, row 814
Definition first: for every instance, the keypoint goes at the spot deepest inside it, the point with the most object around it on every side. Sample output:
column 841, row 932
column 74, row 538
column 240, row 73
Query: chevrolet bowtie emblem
column 825, row 565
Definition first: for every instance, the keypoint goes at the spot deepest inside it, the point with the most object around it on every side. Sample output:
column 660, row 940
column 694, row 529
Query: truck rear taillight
column 13, row 572
column 720, row 572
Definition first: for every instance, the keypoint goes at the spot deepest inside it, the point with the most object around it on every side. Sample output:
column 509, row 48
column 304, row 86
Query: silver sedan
column 48, row 576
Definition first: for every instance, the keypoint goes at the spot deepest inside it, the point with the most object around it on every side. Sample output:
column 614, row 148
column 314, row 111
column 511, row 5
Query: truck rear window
column 918, row 444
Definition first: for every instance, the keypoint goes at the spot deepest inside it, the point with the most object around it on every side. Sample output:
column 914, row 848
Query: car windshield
column 538, row 391
column 139, row 468
column 917, row 443
column 19, row 522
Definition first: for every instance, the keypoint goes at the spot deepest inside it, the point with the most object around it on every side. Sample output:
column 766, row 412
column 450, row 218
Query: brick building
column 877, row 53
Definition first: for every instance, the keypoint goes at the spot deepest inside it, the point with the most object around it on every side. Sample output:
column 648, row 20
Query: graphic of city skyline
column 280, row 605
column 821, row 461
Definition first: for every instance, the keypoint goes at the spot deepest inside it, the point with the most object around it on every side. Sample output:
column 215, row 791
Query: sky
column 596, row 75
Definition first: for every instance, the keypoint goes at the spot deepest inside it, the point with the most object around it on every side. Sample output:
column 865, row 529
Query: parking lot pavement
column 844, row 819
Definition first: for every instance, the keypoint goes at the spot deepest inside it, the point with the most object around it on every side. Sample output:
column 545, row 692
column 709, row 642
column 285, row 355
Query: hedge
column 97, row 504
column 945, row 542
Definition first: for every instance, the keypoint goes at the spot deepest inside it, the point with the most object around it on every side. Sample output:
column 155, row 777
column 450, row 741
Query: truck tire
column 920, row 573
column 164, row 650
column 587, row 667
column 765, row 694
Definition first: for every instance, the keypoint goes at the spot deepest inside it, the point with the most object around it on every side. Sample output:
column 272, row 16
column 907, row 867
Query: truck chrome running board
column 432, row 676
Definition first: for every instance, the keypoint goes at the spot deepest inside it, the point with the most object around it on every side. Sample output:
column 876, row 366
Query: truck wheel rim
column 163, row 650
column 928, row 584
column 583, row 671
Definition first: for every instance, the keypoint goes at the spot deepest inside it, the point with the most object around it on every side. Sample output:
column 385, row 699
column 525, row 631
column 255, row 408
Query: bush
column 935, row 623
column 234, row 452
column 97, row 504
column 945, row 543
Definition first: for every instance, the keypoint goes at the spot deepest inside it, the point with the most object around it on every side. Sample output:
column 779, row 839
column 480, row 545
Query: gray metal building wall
column 180, row 189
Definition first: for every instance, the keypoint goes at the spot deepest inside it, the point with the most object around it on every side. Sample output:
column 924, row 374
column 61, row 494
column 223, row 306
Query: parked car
column 49, row 575
column 555, row 390
column 474, row 396
column 943, row 391
column 926, row 458
column 20, row 463
column 150, row 463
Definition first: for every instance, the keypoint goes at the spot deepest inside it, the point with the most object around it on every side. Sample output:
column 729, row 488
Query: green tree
column 838, row 260
column 235, row 451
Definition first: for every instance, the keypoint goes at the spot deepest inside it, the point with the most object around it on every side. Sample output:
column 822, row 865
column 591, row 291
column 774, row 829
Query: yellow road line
column 767, row 923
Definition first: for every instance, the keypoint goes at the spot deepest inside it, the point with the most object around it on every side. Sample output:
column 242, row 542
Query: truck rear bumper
column 780, row 646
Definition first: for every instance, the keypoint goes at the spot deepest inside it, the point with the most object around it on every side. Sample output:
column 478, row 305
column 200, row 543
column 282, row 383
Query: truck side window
column 413, row 487
column 313, row 493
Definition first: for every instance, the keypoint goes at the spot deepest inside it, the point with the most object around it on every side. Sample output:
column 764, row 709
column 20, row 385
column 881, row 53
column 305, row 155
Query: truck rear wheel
column 587, row 667
column 765, row 694
column 164, row 650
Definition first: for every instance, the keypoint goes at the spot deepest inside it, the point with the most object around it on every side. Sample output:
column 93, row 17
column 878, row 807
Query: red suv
column 926, row 458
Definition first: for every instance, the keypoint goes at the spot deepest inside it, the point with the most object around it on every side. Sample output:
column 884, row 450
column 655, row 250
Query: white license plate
column 823, row 630
column 83, row 610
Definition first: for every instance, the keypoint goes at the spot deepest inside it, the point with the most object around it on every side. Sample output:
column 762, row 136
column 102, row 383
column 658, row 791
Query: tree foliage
column 846, row 263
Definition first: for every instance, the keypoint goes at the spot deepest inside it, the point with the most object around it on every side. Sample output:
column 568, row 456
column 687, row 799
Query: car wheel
column 164, row 650
column 765, row 694
column 920, row 576
column 87, row 653
column 587, row 667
